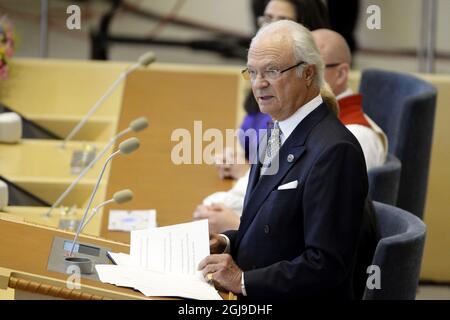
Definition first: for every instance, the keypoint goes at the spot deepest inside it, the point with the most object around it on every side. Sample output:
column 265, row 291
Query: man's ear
column 342, row 73
column 308, row 73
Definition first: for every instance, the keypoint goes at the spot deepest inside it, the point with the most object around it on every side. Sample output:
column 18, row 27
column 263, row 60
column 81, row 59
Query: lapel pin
column 290, row 157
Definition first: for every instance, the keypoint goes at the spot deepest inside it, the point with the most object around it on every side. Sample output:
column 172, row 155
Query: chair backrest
column 385, row 180
column 404, row 107
column 398, row 253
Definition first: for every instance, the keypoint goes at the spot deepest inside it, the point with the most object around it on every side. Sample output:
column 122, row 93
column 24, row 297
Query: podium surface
column 24, row 257
column 67, row 221
column 24, row 254
column 43, row 168
column 74, row 87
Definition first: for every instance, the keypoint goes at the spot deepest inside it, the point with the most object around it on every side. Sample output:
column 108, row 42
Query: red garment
column 351, row 111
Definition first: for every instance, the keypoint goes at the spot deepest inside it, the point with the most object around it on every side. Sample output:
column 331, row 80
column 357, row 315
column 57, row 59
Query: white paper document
column 120, row 258
column 152, row 283
column 173, row 249
column 129, row 220
column 163, row 262
column 121, row 276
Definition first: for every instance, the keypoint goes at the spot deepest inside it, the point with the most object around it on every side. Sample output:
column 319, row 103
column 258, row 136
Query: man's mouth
column 264, row 98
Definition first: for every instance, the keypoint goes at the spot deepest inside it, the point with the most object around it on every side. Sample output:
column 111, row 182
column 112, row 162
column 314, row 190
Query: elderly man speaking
column 304, row 231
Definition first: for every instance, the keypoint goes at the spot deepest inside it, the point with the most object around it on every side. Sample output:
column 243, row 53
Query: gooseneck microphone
column 126, row 147
column 143, row 61
column 136, row 125
column 119, row 197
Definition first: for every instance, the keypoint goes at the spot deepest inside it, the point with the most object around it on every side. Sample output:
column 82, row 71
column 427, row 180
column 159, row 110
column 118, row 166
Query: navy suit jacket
column 303, row 242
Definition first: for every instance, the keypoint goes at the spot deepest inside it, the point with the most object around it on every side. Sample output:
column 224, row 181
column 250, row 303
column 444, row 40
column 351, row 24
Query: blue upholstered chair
column 398, row 253
column 404, row 107
column 384, row 181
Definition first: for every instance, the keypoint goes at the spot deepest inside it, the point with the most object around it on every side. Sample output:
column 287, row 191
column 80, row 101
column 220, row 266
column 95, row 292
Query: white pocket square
column 289, row 185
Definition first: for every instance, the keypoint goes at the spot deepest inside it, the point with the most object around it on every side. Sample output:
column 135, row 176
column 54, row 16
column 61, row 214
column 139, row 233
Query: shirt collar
column 346, row 93
column 288, row 125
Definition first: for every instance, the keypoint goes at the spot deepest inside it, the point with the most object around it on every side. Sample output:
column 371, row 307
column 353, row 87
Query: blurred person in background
column 337, row 58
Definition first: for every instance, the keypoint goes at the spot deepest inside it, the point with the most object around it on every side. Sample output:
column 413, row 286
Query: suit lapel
column 252, row 181
column 255, row 169
column 290, row 152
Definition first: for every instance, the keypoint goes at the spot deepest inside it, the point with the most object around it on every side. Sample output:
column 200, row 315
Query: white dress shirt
column 288, row 125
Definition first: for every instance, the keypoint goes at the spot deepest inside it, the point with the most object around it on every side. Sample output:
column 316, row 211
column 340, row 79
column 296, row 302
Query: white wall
column 400, row 30
column 401, row 22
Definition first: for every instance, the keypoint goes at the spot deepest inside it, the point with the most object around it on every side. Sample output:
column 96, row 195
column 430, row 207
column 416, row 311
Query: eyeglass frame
column 246, row 75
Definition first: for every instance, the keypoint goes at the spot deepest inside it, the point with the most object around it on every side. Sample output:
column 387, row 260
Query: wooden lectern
column 24, row 262
column 24, row 255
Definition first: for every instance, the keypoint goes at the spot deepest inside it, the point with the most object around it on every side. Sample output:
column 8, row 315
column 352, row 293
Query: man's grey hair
column 303, row 43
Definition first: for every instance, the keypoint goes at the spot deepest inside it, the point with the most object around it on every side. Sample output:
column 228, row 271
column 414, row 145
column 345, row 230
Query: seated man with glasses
column 337, row 57
column 304, row 223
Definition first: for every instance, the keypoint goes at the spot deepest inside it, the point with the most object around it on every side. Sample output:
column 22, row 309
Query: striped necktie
column 273, row 145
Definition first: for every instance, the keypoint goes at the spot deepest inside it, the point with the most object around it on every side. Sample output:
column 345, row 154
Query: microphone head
column 139, row 124
column 129, row 145
column 122, row 196
column 147, row 58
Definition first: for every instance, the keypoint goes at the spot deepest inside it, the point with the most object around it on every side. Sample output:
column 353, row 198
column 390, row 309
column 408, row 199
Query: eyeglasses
column 266, row 19
column 270, row 74
column 332, row 65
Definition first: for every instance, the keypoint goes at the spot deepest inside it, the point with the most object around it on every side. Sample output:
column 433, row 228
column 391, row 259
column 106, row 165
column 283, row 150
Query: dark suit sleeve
column 231, row 234
column 332, row 203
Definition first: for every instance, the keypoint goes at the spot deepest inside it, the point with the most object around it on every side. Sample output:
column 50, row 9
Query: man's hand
column 220, row 218
column 217, row 243
column 225, row 273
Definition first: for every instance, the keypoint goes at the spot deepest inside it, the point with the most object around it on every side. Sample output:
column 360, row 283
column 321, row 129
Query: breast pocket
column 281, row 211
column 280, row 198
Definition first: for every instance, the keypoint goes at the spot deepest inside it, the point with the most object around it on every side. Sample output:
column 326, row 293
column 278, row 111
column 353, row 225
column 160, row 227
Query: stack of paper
column 175, row 249
column 152, row 283
column 163, row 262
column 120, row 259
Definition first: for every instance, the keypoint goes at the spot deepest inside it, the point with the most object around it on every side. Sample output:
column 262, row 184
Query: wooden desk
column 24, row 252
column 35, row 215
column 43, row 168
column 58, row 93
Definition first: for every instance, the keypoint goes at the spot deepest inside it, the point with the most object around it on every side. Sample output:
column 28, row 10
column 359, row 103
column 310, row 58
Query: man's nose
column 260, row 82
